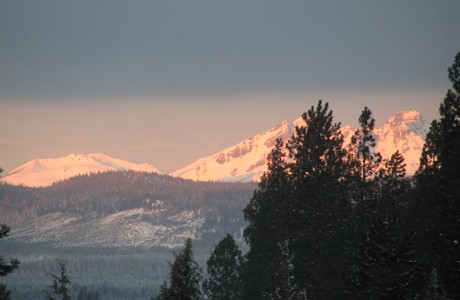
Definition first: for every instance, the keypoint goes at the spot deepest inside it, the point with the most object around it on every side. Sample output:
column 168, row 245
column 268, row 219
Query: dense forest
column 96, row 195
column 326, row 222
column 335, row 222
column 351, row 225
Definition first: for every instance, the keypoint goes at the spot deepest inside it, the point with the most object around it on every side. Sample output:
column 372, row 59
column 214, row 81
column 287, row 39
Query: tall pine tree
column 366, row 141
column 266, row 214
column 394, row 187
column 437, row 200
column 363, row 160
column 321, row 209
column 185, row 277
column 302, row 203
column 224, row 270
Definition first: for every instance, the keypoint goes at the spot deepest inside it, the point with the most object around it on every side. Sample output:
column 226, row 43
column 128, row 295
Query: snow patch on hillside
column 130, row 228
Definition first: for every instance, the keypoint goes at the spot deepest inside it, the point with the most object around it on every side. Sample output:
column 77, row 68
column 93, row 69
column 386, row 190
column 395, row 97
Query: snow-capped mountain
column 404, row 131
column 245, row 161
column 44, row 172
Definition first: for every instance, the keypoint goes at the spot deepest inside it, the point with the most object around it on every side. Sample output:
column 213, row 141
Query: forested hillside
column 102, row 194
column 115, row 230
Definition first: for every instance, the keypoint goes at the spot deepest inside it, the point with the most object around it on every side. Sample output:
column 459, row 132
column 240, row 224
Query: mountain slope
column 406, row 132
column 403, row 131
column 245, row 161
column 44, row 172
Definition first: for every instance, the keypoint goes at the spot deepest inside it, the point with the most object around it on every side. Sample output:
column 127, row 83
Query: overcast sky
column 168, row 82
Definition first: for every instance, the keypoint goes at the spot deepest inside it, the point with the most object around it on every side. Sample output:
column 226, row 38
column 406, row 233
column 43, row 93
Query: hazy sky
column 168, row 82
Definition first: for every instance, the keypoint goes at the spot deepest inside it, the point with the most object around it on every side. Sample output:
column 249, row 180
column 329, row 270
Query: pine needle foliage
column 185, row 277
column 437, row 199
column 224, row 271
column 387, row 264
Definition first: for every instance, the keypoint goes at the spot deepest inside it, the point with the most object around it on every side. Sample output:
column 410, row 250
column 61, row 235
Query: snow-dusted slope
column 128, row 228
column 44, row 172
column 245, row 161
column 404, row 131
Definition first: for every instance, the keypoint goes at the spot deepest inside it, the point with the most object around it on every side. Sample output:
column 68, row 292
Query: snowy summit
column 404, row 131
column 44, row 172
column 246, row 161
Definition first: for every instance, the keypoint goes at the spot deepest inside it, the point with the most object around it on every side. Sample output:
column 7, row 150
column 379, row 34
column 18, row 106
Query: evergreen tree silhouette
column 224, row 269
column 6, row 267
column 185, row 277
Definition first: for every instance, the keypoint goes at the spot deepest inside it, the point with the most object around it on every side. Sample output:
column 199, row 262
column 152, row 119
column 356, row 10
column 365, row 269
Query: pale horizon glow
column 168, row 134
column 169, row 82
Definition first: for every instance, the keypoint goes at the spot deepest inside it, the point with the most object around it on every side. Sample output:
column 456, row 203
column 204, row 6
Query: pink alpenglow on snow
column 246, row 161
column 44, row 172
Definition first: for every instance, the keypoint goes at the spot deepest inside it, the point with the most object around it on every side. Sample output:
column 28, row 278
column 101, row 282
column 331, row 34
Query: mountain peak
column 404, row 117
column 404, row 131
column 412, row 120
column 41, row 172
column 245, row 161
column 407, row 116
column 405, row 122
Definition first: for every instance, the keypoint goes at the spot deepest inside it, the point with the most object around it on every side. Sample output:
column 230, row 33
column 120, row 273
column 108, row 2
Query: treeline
column 102, row 194
column 335, row 222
